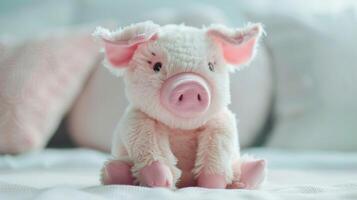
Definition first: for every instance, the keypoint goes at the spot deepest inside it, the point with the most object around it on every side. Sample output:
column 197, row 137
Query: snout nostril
column 199, row 97
column 181, row 97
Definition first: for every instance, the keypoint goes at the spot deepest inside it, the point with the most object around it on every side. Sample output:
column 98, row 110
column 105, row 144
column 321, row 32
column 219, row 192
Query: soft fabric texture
column 73, row 174
column 39, row 81
column 314, row 60
column 193, row 64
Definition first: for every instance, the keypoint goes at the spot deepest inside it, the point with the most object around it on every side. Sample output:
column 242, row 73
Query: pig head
column 176, row 74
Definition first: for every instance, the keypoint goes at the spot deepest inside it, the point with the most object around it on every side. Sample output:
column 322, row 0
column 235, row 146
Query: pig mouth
column 186, row 95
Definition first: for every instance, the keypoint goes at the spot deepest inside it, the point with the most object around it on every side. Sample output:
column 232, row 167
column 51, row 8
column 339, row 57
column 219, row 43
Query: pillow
column 39, row 80
column 315, row 63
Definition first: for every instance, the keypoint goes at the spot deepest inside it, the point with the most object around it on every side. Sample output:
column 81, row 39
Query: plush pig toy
column 178, row 130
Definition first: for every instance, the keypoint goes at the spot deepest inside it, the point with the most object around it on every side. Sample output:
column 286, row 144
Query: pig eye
column 157, row 66
column 211, row 66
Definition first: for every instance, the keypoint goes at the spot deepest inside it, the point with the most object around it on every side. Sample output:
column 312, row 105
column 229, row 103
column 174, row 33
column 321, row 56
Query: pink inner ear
column 238, row 54
column 237, row 47
column 119, row 55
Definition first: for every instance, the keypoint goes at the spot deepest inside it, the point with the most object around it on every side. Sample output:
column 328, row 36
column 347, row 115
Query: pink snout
column 186, row 95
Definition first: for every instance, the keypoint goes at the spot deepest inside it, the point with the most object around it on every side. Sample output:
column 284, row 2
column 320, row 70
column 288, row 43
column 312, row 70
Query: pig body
column 178, row 130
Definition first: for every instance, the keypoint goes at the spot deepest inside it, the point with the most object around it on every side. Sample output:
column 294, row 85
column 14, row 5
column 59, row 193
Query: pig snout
column 186, row 95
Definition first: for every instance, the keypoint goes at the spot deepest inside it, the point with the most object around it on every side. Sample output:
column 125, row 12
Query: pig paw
column 156, row 175
column 117, row 172
column 207, row 180
column 252, row 173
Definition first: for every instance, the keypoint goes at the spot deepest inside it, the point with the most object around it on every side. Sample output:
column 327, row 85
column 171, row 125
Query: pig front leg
column 148, row 148
column 217, row 149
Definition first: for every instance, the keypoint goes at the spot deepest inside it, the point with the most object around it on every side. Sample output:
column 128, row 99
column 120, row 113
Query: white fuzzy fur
column 143, row 134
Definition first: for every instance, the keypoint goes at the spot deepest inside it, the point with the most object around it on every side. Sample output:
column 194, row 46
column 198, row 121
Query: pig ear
column 238, row 45
column 121, row 44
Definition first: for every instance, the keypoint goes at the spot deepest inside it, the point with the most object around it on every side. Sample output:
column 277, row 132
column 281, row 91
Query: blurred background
column 299, row 93
column 295, row 103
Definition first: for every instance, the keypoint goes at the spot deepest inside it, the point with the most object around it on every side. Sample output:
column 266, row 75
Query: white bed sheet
column 74, row 174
